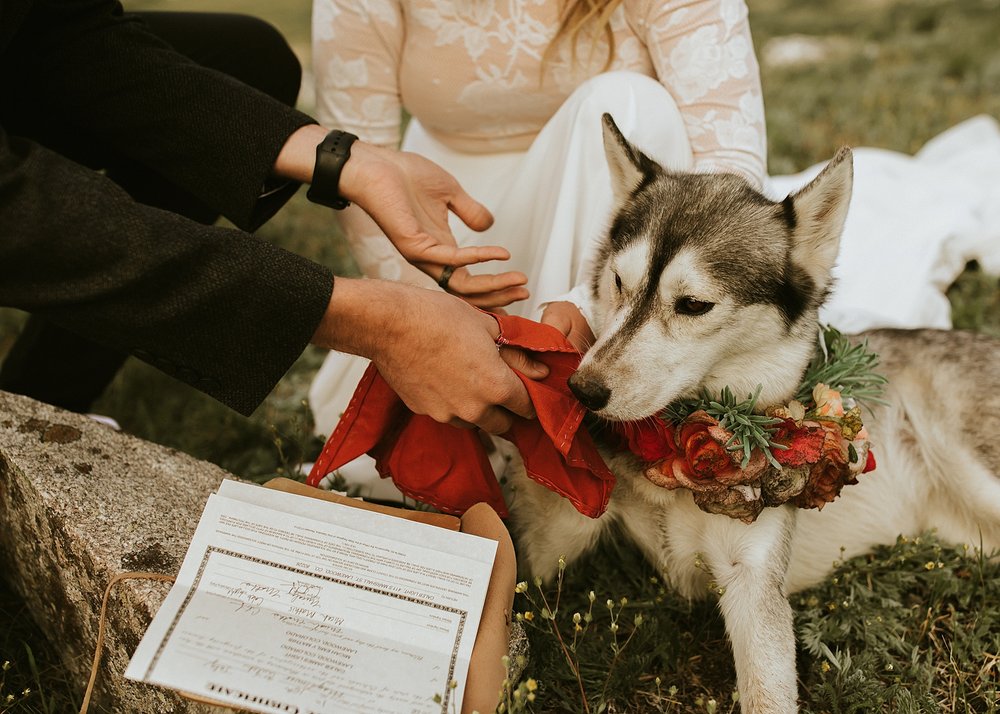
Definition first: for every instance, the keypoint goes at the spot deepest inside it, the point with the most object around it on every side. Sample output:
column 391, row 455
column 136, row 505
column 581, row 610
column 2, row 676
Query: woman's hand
column 567, row 318
column 490, row 292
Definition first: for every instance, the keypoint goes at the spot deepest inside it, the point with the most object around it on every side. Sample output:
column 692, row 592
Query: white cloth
column 914, row 221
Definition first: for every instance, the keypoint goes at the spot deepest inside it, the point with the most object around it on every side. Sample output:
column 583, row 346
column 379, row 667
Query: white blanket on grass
column 914, row 223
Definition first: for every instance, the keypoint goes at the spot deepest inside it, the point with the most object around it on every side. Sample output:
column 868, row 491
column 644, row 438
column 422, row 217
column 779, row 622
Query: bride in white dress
column 514, row 114
column 507, row 95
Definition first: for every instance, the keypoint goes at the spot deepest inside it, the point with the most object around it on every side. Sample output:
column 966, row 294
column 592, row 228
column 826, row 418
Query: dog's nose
column 591, row 393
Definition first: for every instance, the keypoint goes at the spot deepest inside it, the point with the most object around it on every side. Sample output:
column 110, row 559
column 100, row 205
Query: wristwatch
column 331, row 155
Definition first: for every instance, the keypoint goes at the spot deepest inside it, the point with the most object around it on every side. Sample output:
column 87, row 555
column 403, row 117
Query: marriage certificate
column 286, row 603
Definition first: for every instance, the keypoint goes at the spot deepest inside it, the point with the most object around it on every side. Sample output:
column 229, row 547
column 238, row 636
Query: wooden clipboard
column 486, row 670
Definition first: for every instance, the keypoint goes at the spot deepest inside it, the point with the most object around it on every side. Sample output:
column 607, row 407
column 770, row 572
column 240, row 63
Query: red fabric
column 447, row 467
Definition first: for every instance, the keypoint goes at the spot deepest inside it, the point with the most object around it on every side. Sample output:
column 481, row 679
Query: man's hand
column 438, row 353
column 410, row 197
column 567, row 318
column 490, row 292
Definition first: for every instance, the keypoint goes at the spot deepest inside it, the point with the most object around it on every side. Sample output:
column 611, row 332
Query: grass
column 32, row 680
column 909, row 628
column 901, row 630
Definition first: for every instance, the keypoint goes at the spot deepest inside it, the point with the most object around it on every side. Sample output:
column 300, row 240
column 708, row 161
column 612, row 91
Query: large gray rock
column 79, row 503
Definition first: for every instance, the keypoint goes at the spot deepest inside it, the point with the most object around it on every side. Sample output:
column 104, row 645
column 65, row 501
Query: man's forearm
column 297, row 157
column 360, row 313
column 222, row 310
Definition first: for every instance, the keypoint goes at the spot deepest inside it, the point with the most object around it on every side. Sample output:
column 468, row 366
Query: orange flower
column 702, row 456
column 828, row 401
column 702, row 448
column 703, row 464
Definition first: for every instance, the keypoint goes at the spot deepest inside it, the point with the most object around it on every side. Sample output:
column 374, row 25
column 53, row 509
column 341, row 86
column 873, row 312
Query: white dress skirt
column 913, row 224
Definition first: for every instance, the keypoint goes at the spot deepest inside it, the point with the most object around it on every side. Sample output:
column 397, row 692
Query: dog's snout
column 591, row 392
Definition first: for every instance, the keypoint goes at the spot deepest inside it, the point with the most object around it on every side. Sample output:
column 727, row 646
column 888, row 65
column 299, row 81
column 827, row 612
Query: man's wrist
column 331, row 155
column 360, row 312
column 298, row 155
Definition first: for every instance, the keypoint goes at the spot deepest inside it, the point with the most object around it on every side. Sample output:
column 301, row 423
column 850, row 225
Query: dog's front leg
column 749, row 565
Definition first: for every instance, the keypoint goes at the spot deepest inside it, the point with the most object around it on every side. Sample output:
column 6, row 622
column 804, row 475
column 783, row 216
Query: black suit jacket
column 218, row 308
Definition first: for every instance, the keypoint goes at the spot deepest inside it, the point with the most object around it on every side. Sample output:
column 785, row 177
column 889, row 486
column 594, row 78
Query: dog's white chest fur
column 698, row 556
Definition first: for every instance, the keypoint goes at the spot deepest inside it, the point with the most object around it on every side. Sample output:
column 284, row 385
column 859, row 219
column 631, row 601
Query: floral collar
column 736, row 461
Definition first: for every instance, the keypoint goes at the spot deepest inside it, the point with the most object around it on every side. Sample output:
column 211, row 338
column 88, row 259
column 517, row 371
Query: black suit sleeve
column 218, row 308
column 90, row 69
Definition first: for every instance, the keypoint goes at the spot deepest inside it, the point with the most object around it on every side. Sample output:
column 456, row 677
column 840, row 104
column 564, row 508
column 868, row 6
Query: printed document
column 286, row 603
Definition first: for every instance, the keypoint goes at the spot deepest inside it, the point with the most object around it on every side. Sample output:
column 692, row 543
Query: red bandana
column 447, row 467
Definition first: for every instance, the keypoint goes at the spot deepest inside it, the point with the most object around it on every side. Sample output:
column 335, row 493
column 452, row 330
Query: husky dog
column 702, row 282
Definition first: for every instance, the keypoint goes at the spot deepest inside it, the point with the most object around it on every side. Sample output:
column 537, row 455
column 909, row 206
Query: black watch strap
column 331, row 155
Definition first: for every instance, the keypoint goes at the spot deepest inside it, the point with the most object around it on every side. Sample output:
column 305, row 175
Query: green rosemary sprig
column 678, row 411
column 750, row 430
column 848, row 368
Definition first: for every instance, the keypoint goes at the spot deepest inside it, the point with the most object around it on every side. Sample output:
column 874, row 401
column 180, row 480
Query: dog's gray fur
column 765, row 268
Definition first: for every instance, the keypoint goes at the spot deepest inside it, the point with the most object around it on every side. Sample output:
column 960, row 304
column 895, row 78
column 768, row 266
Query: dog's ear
column 629, row 166
column 817, row 213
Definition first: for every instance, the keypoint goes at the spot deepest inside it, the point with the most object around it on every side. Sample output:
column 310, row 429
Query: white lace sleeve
column 703, row 54
column 356, row 51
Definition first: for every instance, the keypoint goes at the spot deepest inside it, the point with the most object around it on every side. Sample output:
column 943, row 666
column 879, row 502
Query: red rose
column 650, row 439
column 829, row 474
column 702, row 462
column 805, row 443
column 702, row 445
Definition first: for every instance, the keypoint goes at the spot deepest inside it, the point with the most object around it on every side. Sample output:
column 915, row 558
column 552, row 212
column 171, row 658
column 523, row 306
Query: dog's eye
column 690, row 306
column 618, row 282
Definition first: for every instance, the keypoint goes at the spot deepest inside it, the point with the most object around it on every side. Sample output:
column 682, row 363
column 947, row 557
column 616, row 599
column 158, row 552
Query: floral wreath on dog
column 737, row 461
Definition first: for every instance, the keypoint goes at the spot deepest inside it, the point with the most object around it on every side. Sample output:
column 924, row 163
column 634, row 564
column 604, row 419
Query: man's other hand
column 438, row 353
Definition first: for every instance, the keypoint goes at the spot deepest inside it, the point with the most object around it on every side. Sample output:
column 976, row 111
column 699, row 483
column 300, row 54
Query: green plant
column 844, row 365
column 10, row 700
column 907, row 628
column 543, row 613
